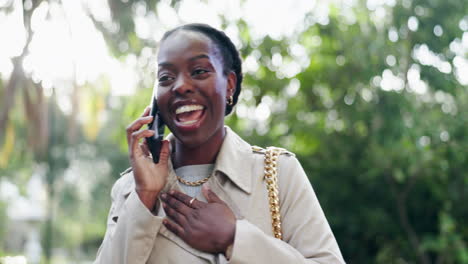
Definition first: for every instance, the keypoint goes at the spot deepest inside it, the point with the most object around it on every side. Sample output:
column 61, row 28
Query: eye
column 199, row 71
column 164, row 79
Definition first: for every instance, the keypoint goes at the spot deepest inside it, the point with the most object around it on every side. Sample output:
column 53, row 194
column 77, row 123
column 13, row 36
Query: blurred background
column 372, row 96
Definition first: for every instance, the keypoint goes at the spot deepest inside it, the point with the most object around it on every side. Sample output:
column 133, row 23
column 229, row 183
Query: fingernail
column 171, row 192
column 163, row 196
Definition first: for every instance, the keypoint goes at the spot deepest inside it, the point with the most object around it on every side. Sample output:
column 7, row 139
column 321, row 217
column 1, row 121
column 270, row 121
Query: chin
column 199, row 137
column 190, row 141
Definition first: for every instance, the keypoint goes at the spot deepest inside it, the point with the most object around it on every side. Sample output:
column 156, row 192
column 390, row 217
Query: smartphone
column 155, row 142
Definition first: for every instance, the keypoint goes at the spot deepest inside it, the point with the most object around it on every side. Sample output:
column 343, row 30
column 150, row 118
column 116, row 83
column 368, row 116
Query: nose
column 183, row 85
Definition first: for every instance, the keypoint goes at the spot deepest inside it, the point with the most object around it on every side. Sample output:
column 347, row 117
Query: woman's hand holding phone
column 150, row 177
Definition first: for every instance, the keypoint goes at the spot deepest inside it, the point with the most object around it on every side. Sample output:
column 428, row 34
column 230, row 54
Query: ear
column 231, row 84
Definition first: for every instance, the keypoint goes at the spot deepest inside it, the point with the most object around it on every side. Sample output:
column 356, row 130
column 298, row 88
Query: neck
column 205, row 153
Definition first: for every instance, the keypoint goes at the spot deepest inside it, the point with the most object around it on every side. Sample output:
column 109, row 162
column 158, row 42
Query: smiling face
column 192, row 88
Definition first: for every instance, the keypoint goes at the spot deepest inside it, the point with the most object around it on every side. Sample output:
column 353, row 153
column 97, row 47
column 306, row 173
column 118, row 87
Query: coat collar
column 234, row 160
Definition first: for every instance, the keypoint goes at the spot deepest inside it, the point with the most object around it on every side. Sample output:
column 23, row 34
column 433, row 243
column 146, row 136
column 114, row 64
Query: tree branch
column 403, row 216
column 17, row 74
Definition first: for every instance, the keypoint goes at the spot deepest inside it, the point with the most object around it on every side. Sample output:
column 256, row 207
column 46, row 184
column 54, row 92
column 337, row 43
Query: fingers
column 210, row 196
column 135, row 138
column 174, row 228
column 175, row 204
column 164, row 155
column 176, row 216
column 137, row 124
column 146, row 111
column 144, row 148
column 186, row 200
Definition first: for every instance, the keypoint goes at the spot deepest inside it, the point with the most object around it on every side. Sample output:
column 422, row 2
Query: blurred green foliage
column 3, row 220
column 390, row 166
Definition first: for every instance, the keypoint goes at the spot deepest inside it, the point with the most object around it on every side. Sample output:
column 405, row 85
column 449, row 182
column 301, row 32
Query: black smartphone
column 155, row 142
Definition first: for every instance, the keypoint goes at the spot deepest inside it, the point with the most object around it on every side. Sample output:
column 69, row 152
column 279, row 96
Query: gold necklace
column 194, row 183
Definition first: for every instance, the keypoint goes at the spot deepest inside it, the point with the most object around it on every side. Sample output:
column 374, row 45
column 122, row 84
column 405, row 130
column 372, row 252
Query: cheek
column 160, row 91
column 221, row 90
column 218, row 98
column 162, row 96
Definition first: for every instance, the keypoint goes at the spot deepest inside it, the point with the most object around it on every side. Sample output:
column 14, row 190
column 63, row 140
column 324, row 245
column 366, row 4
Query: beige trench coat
column 135, row 235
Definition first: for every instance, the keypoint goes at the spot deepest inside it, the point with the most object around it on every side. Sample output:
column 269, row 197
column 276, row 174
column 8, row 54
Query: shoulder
column 272, row 151
column 123, row 186
column 280, row 158
column 283, row 160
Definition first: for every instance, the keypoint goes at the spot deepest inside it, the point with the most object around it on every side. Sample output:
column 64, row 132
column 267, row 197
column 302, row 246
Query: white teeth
column 188, row 108
column 188, row 122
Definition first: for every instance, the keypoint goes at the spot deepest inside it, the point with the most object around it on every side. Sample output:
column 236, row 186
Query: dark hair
column 231, row 57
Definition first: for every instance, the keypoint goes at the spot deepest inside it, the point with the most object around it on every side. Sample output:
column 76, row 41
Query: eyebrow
column 201, row 56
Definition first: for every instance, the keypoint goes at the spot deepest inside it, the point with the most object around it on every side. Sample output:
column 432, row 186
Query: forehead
column 185, row 44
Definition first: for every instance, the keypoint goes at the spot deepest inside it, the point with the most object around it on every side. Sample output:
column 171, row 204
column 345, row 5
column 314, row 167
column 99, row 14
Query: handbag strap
column 271, row 178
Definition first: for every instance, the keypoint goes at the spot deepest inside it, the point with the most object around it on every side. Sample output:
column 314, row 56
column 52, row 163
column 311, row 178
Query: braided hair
column 231, row 58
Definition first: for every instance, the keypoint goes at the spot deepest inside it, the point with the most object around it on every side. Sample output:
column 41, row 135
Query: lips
column 188, row 115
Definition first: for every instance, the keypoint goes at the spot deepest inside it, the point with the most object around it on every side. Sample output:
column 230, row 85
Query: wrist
column 148, row 198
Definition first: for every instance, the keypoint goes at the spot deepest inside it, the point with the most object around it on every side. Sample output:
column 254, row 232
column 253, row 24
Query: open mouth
column 187, row 115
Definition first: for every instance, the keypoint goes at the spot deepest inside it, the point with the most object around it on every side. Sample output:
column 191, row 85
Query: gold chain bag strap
column 271, row 178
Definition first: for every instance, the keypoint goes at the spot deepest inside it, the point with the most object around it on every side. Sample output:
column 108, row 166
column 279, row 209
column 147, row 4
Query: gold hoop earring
column 230, row 101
